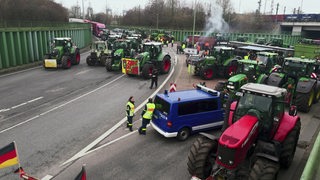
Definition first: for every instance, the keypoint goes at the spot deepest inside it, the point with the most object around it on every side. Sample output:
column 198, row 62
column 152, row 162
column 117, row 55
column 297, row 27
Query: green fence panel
column 25, row 45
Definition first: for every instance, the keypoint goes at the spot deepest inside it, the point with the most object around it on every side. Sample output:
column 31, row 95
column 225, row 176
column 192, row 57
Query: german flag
column 8, row 156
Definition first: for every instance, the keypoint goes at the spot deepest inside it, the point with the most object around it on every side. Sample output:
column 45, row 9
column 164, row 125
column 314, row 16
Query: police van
column 182, row 113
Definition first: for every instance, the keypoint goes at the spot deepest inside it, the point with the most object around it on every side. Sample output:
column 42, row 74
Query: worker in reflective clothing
column 146, row 116
column 130, row 112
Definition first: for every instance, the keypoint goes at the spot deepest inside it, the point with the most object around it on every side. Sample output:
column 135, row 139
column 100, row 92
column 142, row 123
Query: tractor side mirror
column 293, row 110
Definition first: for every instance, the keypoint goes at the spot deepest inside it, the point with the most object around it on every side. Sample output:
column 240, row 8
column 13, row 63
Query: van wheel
column 183, row 134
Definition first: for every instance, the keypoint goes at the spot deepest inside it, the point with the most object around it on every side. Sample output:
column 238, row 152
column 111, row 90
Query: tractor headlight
column 230, row 87
column 230, row 162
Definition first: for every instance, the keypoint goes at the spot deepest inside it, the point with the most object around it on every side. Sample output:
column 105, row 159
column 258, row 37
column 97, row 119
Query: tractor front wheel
column 66, row 62
column 90, row 61
column 231, row 69
column 264, row 169
column 207, row 73
column 202, row 157
column 317, row 96
column 304, row 101
column 76, row 58
column 165, row 65
column 109, row 64
column 147, row 71
column 103, row 60
column 289, row 146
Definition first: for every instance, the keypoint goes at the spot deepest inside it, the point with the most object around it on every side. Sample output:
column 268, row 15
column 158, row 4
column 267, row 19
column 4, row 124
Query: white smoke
column 215, row 23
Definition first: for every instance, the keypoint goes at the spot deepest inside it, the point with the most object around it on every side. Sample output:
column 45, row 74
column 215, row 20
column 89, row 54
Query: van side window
column 197, row 107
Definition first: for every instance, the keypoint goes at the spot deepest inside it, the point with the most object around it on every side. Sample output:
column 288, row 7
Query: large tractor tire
column 231, row 69
column 90, row 61
column 202, row 157
column 109, row 64
column 76, row 58
column 207, row 73
column 165, row 65
column 147, row 71
column 66, row 62
column 317, row 96
column 304, row 101
column 264, row 169
column 103, row 60
column 289, row 146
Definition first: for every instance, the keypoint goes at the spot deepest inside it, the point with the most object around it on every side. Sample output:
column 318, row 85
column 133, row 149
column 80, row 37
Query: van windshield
column 162, row 105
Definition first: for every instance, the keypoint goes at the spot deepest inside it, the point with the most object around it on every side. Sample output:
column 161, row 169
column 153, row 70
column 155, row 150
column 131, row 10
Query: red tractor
column 259, row 138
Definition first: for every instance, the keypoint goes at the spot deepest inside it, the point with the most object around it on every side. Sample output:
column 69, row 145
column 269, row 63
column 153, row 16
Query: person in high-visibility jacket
column 130, row 112
column 147, row 116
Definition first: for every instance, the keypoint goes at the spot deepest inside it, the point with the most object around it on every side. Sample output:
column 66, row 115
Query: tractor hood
column 236, row 140
column 57, row 51
column 118, row 52
column 237, row 78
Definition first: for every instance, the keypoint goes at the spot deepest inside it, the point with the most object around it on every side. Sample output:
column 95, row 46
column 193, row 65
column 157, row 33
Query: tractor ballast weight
column 143, row 63
column 258, row 132
column 63, row 54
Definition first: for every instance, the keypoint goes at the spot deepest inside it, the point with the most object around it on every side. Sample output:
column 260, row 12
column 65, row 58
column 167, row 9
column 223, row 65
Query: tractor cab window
column 261, row 104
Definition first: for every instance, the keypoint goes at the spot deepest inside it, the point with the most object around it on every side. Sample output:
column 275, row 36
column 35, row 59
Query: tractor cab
column 298, row 67
column 264, row 102
column 222, row 53
column 154, row 48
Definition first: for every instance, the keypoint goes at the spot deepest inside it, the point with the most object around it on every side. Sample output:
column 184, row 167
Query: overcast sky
column 118, row 6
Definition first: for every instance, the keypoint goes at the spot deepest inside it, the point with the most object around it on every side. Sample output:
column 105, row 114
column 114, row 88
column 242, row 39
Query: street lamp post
column 194, row 21
column 82, row 9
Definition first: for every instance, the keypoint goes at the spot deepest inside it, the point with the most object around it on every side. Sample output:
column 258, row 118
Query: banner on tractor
column 130, row 66
column 50, row 63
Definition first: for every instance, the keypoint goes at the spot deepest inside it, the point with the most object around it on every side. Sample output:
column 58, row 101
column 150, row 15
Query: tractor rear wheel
column 66, row 62
column 76, row 58
column 264, row 169
column 317, row 96
column 165, row 65
column 289, row 146
column 90, row 61
column 207, row 73
column 147, row 71
column 202, row 157
column 109, row 64
column 304, row 101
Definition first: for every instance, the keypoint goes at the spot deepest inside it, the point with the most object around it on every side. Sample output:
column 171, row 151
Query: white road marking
column 57, row 107
column 85, row 150
column 47, row 177
column 82, row 72
column 22, row 104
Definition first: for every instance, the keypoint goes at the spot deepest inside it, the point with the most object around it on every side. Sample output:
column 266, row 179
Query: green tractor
column 298, row 77
column 99, row 53
column 143, row 63
column 220, row 62
column 249, row 71
column 121, row 48
column 63, row 54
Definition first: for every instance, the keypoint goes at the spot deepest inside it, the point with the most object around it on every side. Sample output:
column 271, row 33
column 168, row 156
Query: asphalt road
column 62, row 119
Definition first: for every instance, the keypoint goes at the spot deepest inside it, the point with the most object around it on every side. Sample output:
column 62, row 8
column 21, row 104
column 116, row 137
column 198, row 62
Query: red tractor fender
column 232, row 109
column 286, row 125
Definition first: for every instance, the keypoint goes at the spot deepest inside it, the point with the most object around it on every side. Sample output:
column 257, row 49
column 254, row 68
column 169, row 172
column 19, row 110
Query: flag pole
column 15, row 147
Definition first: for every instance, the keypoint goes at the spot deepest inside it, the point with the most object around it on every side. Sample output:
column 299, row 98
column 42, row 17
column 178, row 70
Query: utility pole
column 277, row 12
column 265, row 5
column 259, row 6
column 284, row 10
column 194, row 20
column 272, row 7
column 82, row 9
